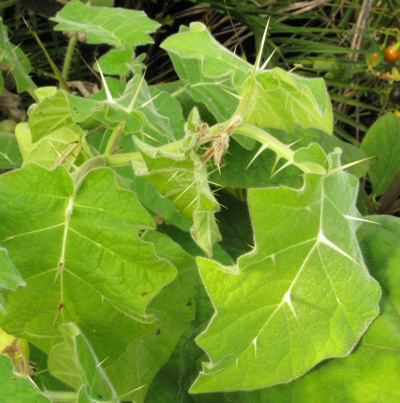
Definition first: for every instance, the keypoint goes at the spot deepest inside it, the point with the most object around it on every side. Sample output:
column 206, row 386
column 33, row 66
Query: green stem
column 62, row 396
column 243, row 106
column 179, row 91
column 68, row 56
column 282, row 150
column 113, row 140
column 116, row 160
column 87, row 166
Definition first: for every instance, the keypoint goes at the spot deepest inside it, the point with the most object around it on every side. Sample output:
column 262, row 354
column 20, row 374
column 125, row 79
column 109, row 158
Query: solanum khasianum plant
column 161, row 243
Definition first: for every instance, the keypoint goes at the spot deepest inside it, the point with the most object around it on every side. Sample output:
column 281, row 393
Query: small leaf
column 182, row 178
column 14, row 58
column 112, row 26
column 212, row 71
column 120, row 62
column 289, row 303
column 10, row 156
column 282, row 100
column 50, row 114
column 63, row 144
column 382, row 141
column 74, row 362
column 10, row 278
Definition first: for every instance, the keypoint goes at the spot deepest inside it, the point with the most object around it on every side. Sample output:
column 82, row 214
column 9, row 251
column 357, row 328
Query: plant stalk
column 68, row 56
column 115, row 160
column 282, row 150
column 62, row 396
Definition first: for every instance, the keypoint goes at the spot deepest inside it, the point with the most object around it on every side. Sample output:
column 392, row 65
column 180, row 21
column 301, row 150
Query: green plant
column 160, row 243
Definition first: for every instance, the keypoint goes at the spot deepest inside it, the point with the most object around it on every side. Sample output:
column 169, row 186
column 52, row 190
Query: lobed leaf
column 209, row 70
column 121, row 62
column 112, row 26
column 52, row 113
column 371, row 372
column 63, row 144
column 227, row 85
column 182, row 178
column 282, row 100
column 151, row 115
column 301, row 296
column 80, row 255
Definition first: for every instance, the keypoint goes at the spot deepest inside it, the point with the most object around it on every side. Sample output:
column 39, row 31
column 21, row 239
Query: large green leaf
column 14, row 58
column 382, row 141
column 371, row 373
column 301, row 296
column 268, row 98
column 15, row 389
column 77, row 247
column 112, row 26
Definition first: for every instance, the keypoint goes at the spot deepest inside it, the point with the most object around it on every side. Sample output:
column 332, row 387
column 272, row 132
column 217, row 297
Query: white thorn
column 262, row 148
column 288, row 300
column 265, row 64
column 106, row 89
column 322, row 239
column 361, row 219
column 281, row 168
column 257, row 64
column 150, row 100
column 343, row 167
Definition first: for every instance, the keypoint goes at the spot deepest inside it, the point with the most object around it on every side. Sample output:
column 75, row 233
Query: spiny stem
column 116, row 160
column 281, row 150
column 61, row 396
column 265, row 138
